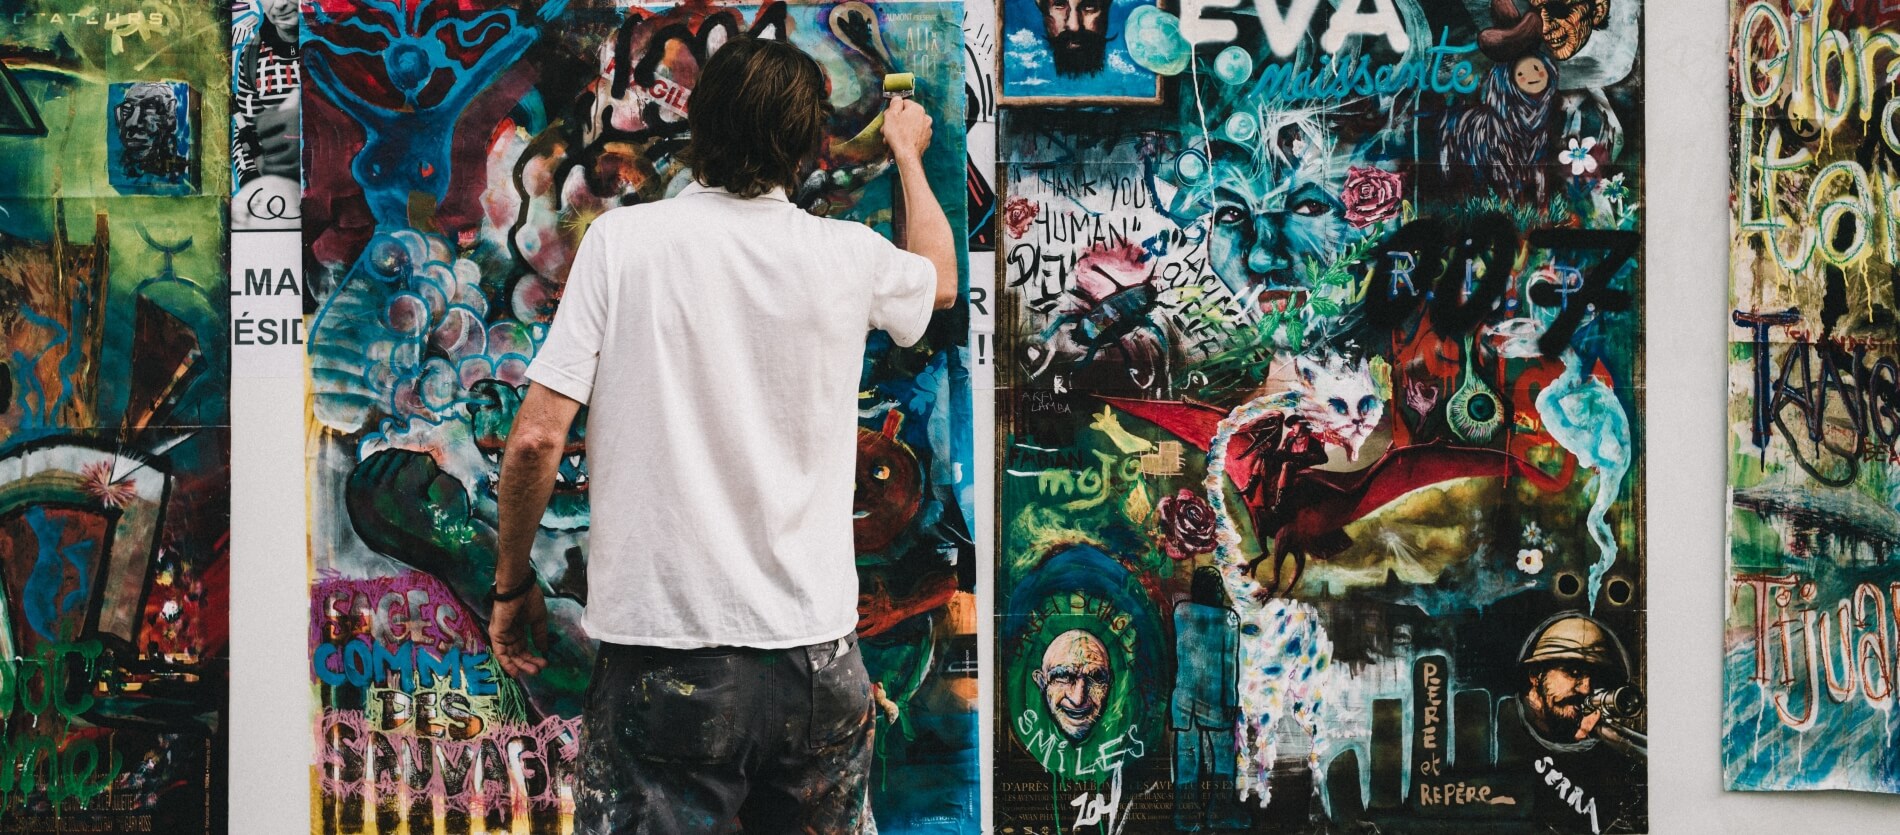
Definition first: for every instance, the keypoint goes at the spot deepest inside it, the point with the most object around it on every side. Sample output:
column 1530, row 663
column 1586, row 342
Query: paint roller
column 868, row 144
column 898, row 85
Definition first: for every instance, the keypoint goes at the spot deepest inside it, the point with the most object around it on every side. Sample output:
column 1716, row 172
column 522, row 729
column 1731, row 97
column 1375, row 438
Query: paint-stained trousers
column 726, row 739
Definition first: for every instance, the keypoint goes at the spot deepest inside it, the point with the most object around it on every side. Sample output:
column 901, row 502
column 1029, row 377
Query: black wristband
column 496, row 595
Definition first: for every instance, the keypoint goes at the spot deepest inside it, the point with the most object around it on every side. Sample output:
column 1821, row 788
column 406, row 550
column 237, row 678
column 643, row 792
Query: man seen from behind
column 717, row 339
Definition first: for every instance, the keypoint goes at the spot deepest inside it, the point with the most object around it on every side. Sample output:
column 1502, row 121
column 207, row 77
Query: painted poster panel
column 114, row 418
column 1808, row 664
column 454, row 153
column 1076, row 51
column 1320, row 429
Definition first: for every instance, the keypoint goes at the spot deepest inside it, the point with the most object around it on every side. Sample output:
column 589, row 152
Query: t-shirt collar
column 697, row 187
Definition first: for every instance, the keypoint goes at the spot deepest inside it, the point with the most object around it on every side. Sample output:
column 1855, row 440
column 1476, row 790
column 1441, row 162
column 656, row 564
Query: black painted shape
column 18, row 116
column 1388, row 756
column 1342, row 787
column 1471, row 715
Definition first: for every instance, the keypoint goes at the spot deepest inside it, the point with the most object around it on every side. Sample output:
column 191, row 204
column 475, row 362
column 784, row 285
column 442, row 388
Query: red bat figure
column 1270, row 460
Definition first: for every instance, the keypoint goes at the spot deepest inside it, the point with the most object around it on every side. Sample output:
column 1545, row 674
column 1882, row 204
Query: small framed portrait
column 150, row 138
column 1081, row 52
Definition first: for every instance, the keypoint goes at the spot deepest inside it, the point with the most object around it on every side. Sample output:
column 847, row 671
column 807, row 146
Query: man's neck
column 278, row 40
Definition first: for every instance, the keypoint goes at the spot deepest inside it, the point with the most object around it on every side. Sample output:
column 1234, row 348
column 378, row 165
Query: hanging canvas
column 1808, row 663
column 114, row 418
column 454, row 154
column 1320, row 438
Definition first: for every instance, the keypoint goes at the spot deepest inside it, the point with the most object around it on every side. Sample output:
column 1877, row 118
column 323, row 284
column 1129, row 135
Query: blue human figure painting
column 406, row 150
column 48, row 596
column 1205, row 704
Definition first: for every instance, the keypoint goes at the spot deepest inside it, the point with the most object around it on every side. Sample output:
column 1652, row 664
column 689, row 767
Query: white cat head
column 1340, row 401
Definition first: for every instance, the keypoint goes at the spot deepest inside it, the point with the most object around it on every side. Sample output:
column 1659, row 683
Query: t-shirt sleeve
column 571, row 353
column 903, row 290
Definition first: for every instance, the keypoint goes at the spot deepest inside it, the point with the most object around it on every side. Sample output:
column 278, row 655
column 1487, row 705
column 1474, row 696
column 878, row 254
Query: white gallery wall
column 1686, row 242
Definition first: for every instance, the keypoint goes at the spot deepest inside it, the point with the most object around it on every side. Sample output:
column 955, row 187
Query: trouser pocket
column 687, row 708
column 840, row 693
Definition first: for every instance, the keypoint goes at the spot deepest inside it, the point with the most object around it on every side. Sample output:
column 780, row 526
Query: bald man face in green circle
column 1074, row 679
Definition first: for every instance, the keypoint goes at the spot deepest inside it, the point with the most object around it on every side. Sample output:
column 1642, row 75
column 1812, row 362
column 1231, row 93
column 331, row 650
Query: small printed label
column 267, row 322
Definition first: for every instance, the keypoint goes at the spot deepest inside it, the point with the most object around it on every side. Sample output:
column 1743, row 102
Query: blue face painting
column 1273, row 213
column 151, row 140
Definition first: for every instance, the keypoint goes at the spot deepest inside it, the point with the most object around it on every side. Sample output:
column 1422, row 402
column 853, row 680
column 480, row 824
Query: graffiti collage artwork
column 1319, row 437
column 114, row 418
column 1318, row 451
column 453, row 155
column 1813, row 598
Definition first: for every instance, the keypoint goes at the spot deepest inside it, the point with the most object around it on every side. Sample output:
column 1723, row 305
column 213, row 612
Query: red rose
column 1371, row 195
column 1187, row 525
column 1019, row 213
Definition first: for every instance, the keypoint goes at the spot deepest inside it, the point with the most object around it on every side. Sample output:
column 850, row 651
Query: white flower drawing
column 1578, row 157
column 1530, row 560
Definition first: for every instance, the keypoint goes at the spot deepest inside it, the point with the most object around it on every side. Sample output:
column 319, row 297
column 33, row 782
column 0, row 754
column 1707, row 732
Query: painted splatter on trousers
column 726, row 739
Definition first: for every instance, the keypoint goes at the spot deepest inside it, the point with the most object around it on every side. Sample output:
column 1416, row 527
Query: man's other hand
column 906, row 129
column 518, row 633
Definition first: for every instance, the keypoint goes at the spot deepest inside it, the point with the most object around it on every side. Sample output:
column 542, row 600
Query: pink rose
column 1019, row 212
column 1371, row 195
column 1187, row 525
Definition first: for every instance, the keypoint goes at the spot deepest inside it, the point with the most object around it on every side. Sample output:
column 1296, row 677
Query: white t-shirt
column 718, row 343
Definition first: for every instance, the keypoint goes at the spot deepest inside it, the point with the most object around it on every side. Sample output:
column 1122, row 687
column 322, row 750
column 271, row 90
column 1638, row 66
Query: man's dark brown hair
column 757, row 113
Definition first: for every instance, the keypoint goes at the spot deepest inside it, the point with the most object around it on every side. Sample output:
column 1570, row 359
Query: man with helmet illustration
column 1573, row 732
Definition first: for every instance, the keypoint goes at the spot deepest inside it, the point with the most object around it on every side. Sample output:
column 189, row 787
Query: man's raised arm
column 927, row 231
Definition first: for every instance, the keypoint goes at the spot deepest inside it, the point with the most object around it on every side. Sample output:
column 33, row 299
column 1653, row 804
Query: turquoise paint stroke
column 1585, row 417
